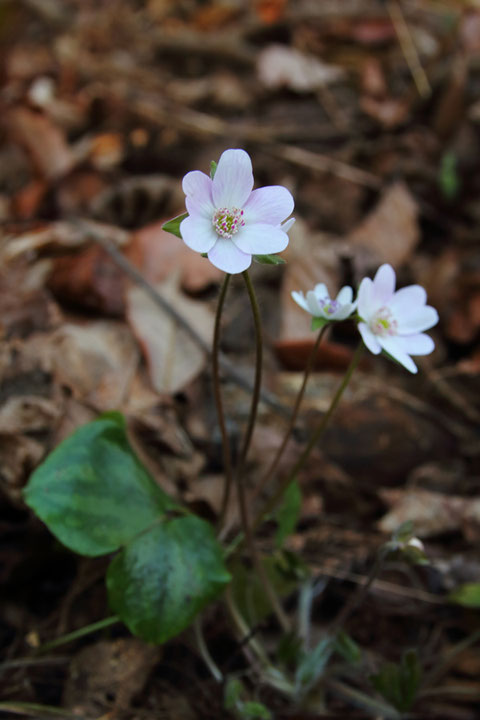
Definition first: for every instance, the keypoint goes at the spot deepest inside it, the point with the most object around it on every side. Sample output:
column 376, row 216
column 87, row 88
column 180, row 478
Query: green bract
column 96, row 497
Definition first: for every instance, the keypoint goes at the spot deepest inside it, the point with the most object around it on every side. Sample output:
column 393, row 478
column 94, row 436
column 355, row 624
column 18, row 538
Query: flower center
column 329, row 306
column 383, row 323
column 228, row 221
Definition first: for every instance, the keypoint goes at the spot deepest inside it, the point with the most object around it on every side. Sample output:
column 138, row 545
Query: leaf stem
column 316, row 435
column 227, row 457
column 293, row 418
column 81, row 632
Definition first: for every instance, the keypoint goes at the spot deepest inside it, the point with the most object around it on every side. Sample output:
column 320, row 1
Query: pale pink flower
column 395, row 321
column 228, row 220
column 319, row 303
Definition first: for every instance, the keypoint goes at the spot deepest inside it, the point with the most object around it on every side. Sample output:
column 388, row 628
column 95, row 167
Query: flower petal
column 313, row 305
column 286, row 226
column 321, row 291
column 407, row 299
column 271, row 204
column 384, row 284
column 420, row 319
column 299, row 298
column 198, row 188
column 228, row 257
column 345, row 295
column 260, row 239
column 419, row 344
column 197, row 232
column 393, row 346
column 366, row 304
column 343, row 312
column 369, row 338
column 233, row 180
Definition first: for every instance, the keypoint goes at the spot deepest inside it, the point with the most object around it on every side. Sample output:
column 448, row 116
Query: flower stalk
column 316, row 435
column 293, row 418
column 227, row 456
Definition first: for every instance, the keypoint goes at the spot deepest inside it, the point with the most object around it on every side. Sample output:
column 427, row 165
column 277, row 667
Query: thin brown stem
column 240, row 474
column 316, row 435
column 227, row 456
column 293, row 418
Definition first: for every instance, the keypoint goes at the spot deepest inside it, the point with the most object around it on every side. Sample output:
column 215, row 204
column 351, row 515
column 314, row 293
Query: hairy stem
column 227, row 457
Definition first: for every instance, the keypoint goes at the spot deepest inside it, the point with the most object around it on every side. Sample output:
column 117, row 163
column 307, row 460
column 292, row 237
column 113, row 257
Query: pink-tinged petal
column 197, row 232
column 198, row 188
column 260, row 239
column 419, row 344
column 366, row 304
column 369, row 338
column 227, row 257
column 384, row 284
column 419, row 319
column 233, row 180
column 287, row 225
column 321, row 291
column 345, row 295
column 300, row 299
column 313, row 305
column 270, row 205
column 393, row 346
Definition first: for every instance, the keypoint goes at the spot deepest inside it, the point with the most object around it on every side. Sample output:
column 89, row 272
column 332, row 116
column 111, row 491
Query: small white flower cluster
column 388, row 320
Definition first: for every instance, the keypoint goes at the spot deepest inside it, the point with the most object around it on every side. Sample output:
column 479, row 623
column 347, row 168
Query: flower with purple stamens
column 395, row 321
column 228, row 220
column 323, row 308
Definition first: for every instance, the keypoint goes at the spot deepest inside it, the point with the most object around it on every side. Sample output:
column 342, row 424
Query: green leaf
column 173, row 225
column 252, row 710
column 448, row 178
column 399, row 683
column 345, row 646
column 269, row 259
column 92, row 491
column 287, row 513
column 165, row 576
column 467, row 595
column 312, row 666
column 213, row 168
column 318, row 323
column 243, row 709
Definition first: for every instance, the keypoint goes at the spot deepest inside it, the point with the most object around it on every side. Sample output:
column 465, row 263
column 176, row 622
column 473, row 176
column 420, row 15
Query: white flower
column 319, row 303
column 228, row 220
column 395, row 321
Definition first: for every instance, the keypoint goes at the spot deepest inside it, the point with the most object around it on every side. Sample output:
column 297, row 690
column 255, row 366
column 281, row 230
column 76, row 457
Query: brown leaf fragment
column 108, row 669
column 173, row 358
column 44, row 142
column 28, row 413
column 388, row 112
column 96, row 361
column 432, row 513
column 158, row 253
column 390, row 232
column 19, row 455
column 282, row 66
column 89, row 280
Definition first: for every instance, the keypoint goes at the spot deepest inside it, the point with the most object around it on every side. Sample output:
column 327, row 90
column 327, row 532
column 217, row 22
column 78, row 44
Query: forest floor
column 369, row 113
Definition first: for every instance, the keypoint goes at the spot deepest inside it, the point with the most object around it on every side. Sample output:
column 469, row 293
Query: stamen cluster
column 228, row 221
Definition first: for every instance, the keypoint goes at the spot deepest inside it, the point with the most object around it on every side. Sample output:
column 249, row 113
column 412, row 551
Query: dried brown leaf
column 172, row 356
column 390, row 232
